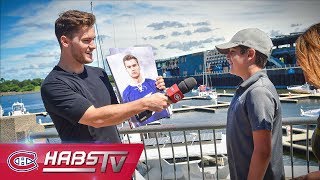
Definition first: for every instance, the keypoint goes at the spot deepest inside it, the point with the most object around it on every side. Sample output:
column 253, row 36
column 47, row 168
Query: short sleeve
column 113, row 96
column 260, row 106
column 60, row 99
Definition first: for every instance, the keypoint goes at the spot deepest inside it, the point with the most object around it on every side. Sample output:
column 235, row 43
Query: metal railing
column 171, row 131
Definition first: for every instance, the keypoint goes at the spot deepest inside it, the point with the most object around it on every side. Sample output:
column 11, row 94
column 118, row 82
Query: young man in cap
column 254, row 133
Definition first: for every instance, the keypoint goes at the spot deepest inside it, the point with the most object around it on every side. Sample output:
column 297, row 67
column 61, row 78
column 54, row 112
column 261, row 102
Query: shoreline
column 229, row 90
column 17, row 93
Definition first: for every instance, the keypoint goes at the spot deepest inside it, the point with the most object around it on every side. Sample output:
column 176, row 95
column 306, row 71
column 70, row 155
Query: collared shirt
column 255, row 106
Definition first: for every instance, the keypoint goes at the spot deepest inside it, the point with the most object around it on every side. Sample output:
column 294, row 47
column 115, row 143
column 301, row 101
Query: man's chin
column 88, row 61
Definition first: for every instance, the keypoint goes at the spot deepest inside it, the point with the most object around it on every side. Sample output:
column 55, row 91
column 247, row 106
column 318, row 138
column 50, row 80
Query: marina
column 191, row 148
column 191, row 144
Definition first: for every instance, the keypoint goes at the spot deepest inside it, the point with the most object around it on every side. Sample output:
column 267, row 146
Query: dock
column 285, row 97
column 40, row 113
column 195, row 97
column 205, row 108
column 297, row 138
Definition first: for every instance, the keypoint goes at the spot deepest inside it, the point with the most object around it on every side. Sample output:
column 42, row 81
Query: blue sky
column 29, row 48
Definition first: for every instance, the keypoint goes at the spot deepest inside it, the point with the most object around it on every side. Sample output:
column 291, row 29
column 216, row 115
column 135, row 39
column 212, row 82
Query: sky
column 29, row 48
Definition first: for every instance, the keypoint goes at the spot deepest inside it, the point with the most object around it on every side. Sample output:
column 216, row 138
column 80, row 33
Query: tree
column 17, row 86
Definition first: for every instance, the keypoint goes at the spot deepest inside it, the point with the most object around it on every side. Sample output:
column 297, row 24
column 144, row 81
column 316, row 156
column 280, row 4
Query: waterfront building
column 281, row 67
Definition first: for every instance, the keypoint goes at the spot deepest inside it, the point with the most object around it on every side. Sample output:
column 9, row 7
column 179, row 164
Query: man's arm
column 261, row 154
column 117, row 113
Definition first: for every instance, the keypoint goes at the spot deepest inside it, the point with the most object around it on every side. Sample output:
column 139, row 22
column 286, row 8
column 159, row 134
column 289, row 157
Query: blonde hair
column 308, row 54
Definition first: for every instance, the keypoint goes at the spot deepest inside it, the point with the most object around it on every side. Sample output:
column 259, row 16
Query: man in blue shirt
column 140, row 87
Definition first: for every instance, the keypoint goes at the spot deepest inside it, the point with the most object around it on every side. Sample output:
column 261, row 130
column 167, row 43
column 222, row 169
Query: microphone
column 174, row 93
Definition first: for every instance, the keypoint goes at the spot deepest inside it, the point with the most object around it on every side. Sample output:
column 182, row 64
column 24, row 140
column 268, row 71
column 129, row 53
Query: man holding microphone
column 80, row 98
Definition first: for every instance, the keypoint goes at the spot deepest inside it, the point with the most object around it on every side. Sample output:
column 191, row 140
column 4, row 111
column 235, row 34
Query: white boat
column 208, row 93
column 305, row 89
column 1, row 111
column 206, row 89
column 310, row 113
column 194, row 91
column 18, row 109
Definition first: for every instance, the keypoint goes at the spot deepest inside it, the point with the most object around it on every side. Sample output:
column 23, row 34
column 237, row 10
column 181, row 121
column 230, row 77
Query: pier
column 40, row 113
column 286, row 97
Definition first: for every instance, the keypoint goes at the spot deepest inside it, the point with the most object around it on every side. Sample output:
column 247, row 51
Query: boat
column 1, row 111
column 304, row 89
column 18, row 109
column 194, row 91
column 310, row 113
column 205, row 90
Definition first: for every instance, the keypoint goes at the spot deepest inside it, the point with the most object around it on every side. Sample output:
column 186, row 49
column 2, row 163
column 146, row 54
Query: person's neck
column 252, row 69
column 138, row 80
column 70, row 65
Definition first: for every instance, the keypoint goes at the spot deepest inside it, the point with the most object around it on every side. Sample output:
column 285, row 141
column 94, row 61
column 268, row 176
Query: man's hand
column 160, row 83
column 156, row 102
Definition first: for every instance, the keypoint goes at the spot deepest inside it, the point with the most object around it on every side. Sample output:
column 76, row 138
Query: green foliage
column 17, row 86
column 111, row 79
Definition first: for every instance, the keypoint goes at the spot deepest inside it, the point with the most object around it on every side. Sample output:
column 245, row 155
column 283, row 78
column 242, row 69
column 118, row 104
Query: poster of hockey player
column 134, row 71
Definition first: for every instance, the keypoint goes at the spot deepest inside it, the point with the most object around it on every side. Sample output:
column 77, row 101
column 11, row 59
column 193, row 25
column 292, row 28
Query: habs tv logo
column 25, row 161
column 22, row 161
column 61, row 161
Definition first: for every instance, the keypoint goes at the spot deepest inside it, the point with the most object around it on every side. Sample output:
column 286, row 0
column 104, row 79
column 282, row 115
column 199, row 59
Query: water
column 33, row 103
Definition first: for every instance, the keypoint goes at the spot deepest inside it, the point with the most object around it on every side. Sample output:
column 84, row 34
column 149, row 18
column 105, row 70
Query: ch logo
column 22, row 161
column 177, row 97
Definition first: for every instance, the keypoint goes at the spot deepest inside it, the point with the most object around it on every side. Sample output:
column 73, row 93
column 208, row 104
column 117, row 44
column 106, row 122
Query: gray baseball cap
column 251, row 37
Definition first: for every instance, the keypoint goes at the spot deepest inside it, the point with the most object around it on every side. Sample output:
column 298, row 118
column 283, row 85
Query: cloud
column 176, row 33
column 43, row 54
column 146, row 45
column 155, row 37
column 104, row 37
column 295, row 25
column 159, row 37
column 27, row 32
column 203, row 30
column 165, row 24
column 29, row 71
column 186, row 46
column 38, row 25
column 275, row 33
column 204, row 23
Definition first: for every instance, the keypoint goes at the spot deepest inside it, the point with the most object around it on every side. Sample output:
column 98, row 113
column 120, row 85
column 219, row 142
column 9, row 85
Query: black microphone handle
column 147, row 113
column 141, row 117
column 184, row 86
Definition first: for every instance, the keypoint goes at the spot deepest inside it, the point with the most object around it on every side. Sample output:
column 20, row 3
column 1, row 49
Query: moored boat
column 1, row 111
column 305, row 89
column 310, row 113
column 18, row 109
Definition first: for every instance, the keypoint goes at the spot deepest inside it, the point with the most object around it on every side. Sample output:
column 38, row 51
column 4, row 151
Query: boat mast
column 205, row 78
column 98, row 41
